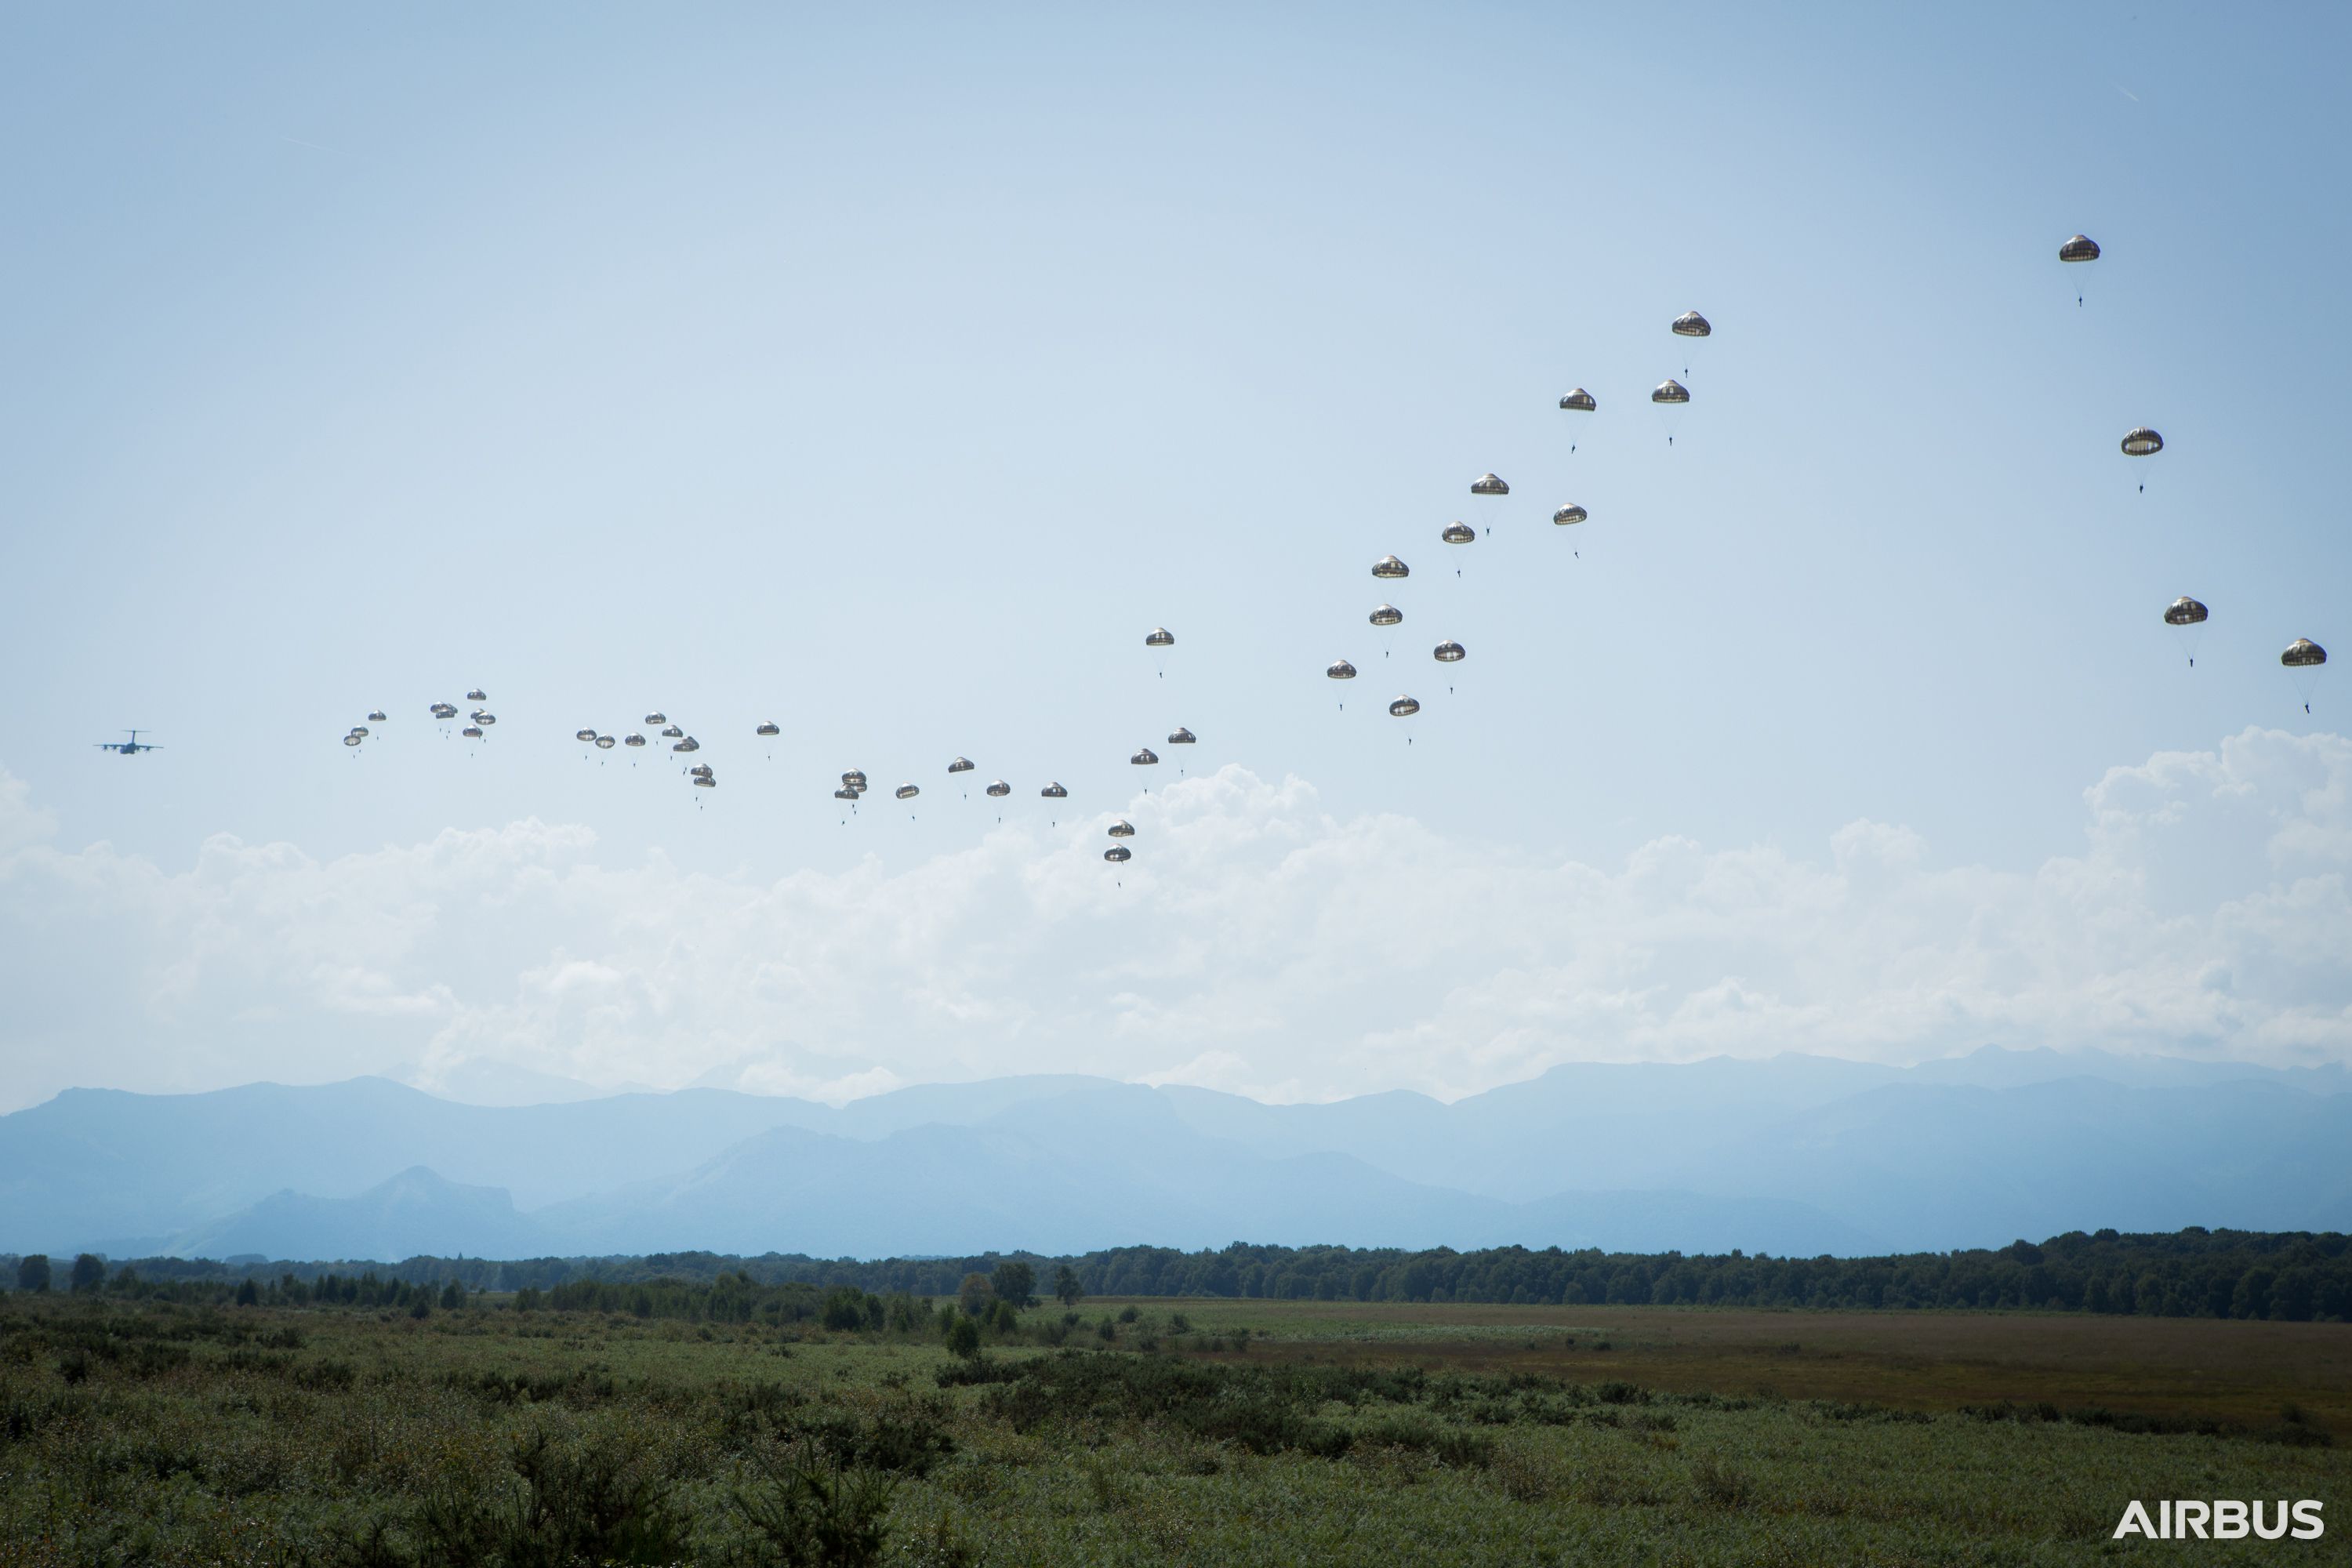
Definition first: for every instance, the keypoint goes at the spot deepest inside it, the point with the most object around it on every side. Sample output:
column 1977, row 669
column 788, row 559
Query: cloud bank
column 1256, row 943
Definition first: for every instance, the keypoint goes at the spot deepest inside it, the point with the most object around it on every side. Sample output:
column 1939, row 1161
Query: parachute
column 2184, row 612
column 1144, row 757
column 906, row 792
column 1390, row 566
column 1160, row 636
column 1404, row 708
column 1386, row 615
column 706, row 781
column 1340, row 670
column 657, row 718
column 471, row 732
column 481, row 717
column 635, row 740
column 701, row 771
column 444, row 710
column 1691, row 324
column 477, row 695
column 961, row 765
column 2304, row 657
column 1449, row 652
column 1181, row 736
column 767, row 729
column 1117, row 852
column 1055, row 792
column 1122, row 829
column 603, row 743
column 1670, row 391
column 689, row 744
column 855, row 778
column 377, row 716
column 672, row 732
column 845, row 794
column 1000, row 789
column 352, row 738
column 2140, row 441
column 585, row 737
column 1580, row 402
column 361, row 731
column 1459, row 534
column 1571, row 513
column 2082, row 248
column 1488, row 485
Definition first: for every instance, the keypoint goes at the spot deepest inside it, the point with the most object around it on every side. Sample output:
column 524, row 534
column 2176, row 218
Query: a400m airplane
column 130, row 748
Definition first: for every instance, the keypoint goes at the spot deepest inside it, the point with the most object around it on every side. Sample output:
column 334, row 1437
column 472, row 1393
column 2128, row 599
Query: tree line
column 2294, row 1275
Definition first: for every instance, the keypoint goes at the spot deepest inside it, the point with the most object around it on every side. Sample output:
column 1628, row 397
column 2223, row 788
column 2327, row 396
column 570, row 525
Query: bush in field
column 975, row 1295
column 583, row 1503
column 1014, row 1281
column 1066, row 1288
column 33, row 1272
column 813, row 1516
column 963, row 1337
column 89, row 1273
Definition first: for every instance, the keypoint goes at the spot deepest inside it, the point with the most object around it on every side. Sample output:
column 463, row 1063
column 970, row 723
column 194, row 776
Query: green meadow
column 1145, row 1432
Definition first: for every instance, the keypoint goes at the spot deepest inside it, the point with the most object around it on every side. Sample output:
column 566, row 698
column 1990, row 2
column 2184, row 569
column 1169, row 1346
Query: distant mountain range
column 1792, row 1154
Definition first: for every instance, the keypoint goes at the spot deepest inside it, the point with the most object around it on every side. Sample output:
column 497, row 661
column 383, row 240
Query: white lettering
column 2270, row 1532
column 2136, row 1518
column 2228, row 1520
column 2306, row 1513
column 2185, row 1520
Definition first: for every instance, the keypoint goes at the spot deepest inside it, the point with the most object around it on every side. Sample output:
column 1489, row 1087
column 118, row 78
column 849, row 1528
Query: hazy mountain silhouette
column 1790, row 1154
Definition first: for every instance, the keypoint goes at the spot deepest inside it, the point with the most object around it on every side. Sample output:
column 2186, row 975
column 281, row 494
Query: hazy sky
column 888, row 374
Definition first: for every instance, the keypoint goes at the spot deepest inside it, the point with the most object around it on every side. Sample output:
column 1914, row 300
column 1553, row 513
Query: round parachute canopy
column 361, row 731
column 2142, row 442
column 906, row 792
column 2304, row 654
column 1390, row 566
column 1404, row 707
column 486, row 718
column 1459, row 534
column 477, row 695
column 1144, row 757
column 855, row 778
column 635, row 740
column 700, row 770
column 2183, row 612
column 1488, row 485
column 657, row 718
column 769, row 729
column 672, row 732
column 689, row 744
column 1117, row 853
column 1181, row 736
column 603, row 743
column 1386, row 615
column 2082, row 248
column 1581, row 401
column 961, row 765
column 351, row 739
column 377, row 716
column 1449, row 652
column 705, row 781
column 1340, row 670
column 845, row 794
column 1122, row 829
column 1691, row 324
column 1000, row 789
column 471, row 732
column 1569, row 513
column 1670, row 391
column 584, row 736
column 1161, row 636
column 443, row 710
column 1055, row 792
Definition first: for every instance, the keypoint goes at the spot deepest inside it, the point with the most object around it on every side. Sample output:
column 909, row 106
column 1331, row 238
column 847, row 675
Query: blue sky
column 889, row 376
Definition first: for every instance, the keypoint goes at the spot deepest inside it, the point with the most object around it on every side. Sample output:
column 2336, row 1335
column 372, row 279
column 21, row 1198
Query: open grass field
column 2192, row 1368
column 142, row 1432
